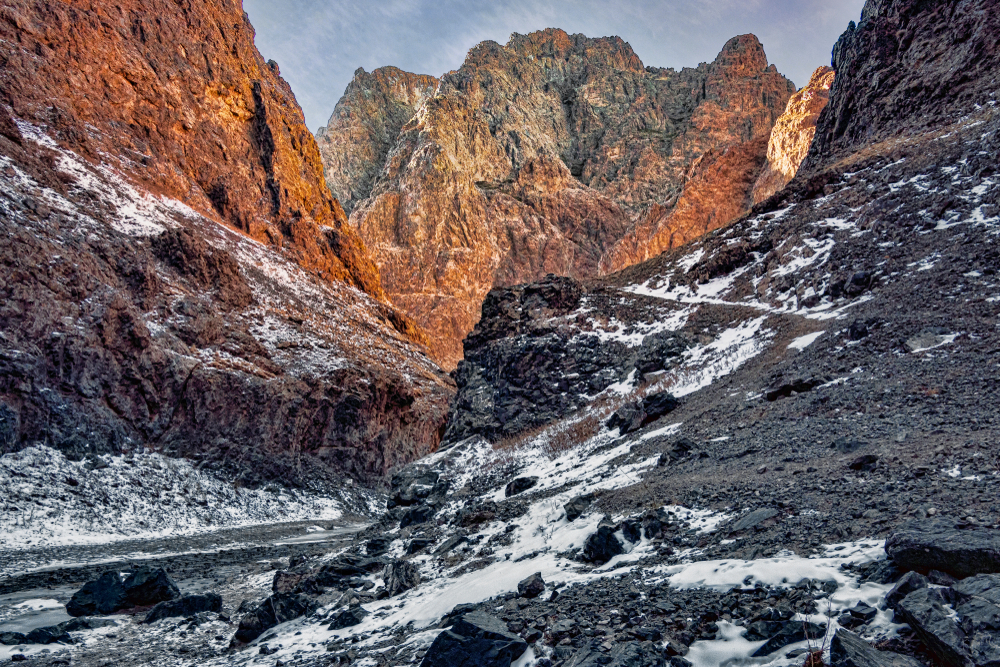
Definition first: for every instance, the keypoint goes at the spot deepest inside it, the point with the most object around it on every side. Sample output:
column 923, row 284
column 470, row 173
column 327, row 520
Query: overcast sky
column 319, row 43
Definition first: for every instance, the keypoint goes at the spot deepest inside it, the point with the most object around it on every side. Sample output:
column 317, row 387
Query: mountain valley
column 725, row 352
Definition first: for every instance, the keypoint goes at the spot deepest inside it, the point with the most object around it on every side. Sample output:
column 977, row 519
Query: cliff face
column 183, row 101
column 897, row 76
column 174, row 272
column 793, row 134
column 364, row 127
column 556, row 154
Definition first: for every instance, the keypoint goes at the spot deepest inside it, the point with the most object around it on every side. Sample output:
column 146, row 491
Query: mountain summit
column 556, row 153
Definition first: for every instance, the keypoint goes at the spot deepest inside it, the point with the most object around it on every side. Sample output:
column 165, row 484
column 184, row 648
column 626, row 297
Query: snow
column 142, row 496
column 802, row 342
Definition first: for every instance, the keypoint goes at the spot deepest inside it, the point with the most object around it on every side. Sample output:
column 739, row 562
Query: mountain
column 793, row 134
column 175, row 273
column 555, row 153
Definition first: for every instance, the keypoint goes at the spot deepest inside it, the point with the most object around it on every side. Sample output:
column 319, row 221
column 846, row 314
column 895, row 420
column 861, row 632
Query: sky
column 318, row 44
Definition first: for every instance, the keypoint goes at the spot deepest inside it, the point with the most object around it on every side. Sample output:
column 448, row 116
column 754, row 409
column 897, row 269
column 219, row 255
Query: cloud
column 320, row 43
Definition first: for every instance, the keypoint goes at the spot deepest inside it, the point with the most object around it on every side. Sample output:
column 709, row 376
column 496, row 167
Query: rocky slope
column 175, row 274
column 793, row 134
column 553, row 154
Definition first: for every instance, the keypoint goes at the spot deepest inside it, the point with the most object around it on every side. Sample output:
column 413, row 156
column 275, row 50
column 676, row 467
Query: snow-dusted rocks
column 475, row 640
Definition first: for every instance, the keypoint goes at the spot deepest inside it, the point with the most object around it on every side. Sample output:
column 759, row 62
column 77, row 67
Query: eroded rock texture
column 174, row 272
column 553, row 154
column 364, row 127
column 793, row 134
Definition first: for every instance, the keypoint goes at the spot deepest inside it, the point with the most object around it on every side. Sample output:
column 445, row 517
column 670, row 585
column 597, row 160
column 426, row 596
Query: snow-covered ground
column 48, row 500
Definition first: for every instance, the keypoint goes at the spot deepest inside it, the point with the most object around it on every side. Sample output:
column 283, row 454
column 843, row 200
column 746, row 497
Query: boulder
column 627, row 418
column 411, row 486
column 926, row 612
column 849, row 650
column 348, row 618
column 791, row 632
column 936, row 544
column 520, row 485
column 799, row 386
column 475, row 640
column 13, row 638
column 53, row 634
column 377, row 546
column 418, row 544
column 531, row 587
column 576, row 507
column 400, row 576
column 752, row 519
column 146, row 586
column 624, row 654
column 417, row 515
column 864, row 463
column 657, row 405
column 276, row 609
column 603, row 545
column 189, row 605
column 911, row 581
column 978, row 605
column 105, row 595
column 86, row 623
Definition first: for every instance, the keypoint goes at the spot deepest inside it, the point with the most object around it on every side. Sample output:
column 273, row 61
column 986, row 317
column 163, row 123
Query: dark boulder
column 657, row 405
column 911, row 581
column 864, row 463
column 791, row 632
column 475, row 640
column 926, row 611
column 627, row 418
column 418, row 544
column 412, row 485
column 849, row 650
column 400, row 576
column 276, row 609
column 520, row 485
column 417, row 515
column 377, row 546
column 978, row 605
column 531, row 587
column 13, row 638
column 576, row 507
column 936, row 544
column 799, row 386
column 348, row 618
column 752, row 520
column 189, row 605
column 146, row 586
column 53, row 634
column 105, row 595
column 603, row 545
column 86, row 623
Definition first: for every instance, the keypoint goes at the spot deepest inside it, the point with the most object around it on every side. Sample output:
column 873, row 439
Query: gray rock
column 276, row 609
column 935, row 544
column 475, row 640
column 978, row 605
column 911, row 581
column 603, row 545
column 13, row 638
column 849, row 650
column 576, row 507
column 348, row 618
column 926, row 612
column 189, row 605
column 531, row 587
column 53, row 634
column 105, row 595
column 790, row 633
column 400, row 576
column 752, row 519
column 147, row 586
column 520, row 485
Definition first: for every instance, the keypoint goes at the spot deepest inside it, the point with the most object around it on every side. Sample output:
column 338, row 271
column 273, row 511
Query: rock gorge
column 175, row 273
column 556, row 153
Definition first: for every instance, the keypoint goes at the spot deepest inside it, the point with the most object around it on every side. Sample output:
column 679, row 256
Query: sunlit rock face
column 556, row 153
column 175, row 274
column 793, row 134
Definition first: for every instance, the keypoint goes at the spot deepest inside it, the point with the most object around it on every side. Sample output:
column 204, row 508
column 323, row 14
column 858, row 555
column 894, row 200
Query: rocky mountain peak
column 556, row 153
